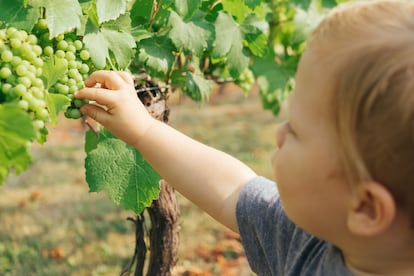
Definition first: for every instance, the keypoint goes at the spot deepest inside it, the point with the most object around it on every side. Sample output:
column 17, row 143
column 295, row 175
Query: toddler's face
column 306, row 166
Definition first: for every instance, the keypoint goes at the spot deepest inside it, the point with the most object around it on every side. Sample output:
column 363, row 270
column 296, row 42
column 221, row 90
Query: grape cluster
column 71, row 53
column 246, row 80
column 20, row 72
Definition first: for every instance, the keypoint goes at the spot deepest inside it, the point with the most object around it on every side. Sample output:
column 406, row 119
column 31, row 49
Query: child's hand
column 123, row 113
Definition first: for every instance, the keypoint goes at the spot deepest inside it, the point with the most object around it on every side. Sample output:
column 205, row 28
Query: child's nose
column 281, row 135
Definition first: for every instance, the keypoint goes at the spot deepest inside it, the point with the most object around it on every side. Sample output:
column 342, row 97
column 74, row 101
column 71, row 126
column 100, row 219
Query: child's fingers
column 101, row 96
column 95, row 112
column 127, row 77
column 107, row 79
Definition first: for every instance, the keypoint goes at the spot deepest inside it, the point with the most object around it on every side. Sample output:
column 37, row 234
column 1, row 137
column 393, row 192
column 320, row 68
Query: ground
column 51, row 224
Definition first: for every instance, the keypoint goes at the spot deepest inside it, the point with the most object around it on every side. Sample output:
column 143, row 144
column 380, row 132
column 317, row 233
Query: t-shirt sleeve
column 258, row 212
column 276, row 246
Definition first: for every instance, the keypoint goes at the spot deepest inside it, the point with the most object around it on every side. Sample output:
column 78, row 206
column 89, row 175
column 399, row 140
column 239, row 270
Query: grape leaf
column 237, row 8
column 110, row 9
column 193, row 35
column 16, row 130
column 91, row 141
column 255, row 32
column 229, row 41
column 62, row 15
column 99, row 54
column 187, row 8
column 120, row 170
column 252, row 4
column 156, row 53
column 197, row 87
column 14, row 13
column 52, row 71
column 121, row 44
column 55, row 104
column 141, row 13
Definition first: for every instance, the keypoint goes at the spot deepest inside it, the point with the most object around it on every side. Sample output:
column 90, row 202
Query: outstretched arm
column 208, row 177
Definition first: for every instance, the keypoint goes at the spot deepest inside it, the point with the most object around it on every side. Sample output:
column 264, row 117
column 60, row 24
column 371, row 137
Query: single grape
column 78, row 103
column 38, row 124
column 23, row 104
column 20, row 89
column 84, row 55
column 7, row 56
column 5, row 72
column 73, row 113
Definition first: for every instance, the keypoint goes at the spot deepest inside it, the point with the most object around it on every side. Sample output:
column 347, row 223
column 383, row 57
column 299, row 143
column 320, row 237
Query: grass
column 51, row 224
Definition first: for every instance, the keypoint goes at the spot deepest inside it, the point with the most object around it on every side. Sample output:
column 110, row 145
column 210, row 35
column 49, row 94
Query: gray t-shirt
column 276, row 246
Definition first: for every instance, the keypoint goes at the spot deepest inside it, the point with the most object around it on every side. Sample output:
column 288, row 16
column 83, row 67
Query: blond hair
column 371, row 45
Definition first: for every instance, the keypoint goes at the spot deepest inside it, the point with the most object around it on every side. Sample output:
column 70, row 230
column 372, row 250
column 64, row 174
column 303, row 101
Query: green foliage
column 119, row 169
column 188, row 44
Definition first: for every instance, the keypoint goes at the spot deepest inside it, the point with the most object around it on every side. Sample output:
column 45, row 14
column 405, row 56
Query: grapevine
column 71, row 53
column 20, row 73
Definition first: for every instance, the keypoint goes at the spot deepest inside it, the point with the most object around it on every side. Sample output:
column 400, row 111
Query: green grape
column 78, row 45
column 84, row 55
column 48, row 50
column 78, row 103
column 5, row 72
column 20, row 71
column 7, row 56
column 20, row 89
column 62, row 45
column 71, row 55
column 60, row 54
column 23, row 104
column 41, row 24
column 42, row 114
column 38, row 124
column 73, row 113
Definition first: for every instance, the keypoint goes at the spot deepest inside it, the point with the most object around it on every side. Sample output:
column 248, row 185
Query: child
column 345, row 164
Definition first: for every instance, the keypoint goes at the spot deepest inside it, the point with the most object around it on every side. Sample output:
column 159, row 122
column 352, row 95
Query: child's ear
column 372, row 210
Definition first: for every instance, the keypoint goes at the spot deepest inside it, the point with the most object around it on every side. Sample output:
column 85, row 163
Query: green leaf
column 52, row 71
column 15, row 13
column 121, row 24
column 121, row 44
column 91, row 141
column 120, row 170
column 276, row 74
column 255, row 32
column 192, row 36
column 186, row 8
column 157, row 54
column 99, row 54
column 62, row 15
column 110, row 9
column 252, row 4
column 237, row 8
column 197, row 86
column 141, row 13
column 229, row 41
column 56, row 103
column 16, row 130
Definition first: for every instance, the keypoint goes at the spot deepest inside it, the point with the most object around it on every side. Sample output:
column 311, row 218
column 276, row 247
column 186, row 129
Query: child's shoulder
column 276, row 246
